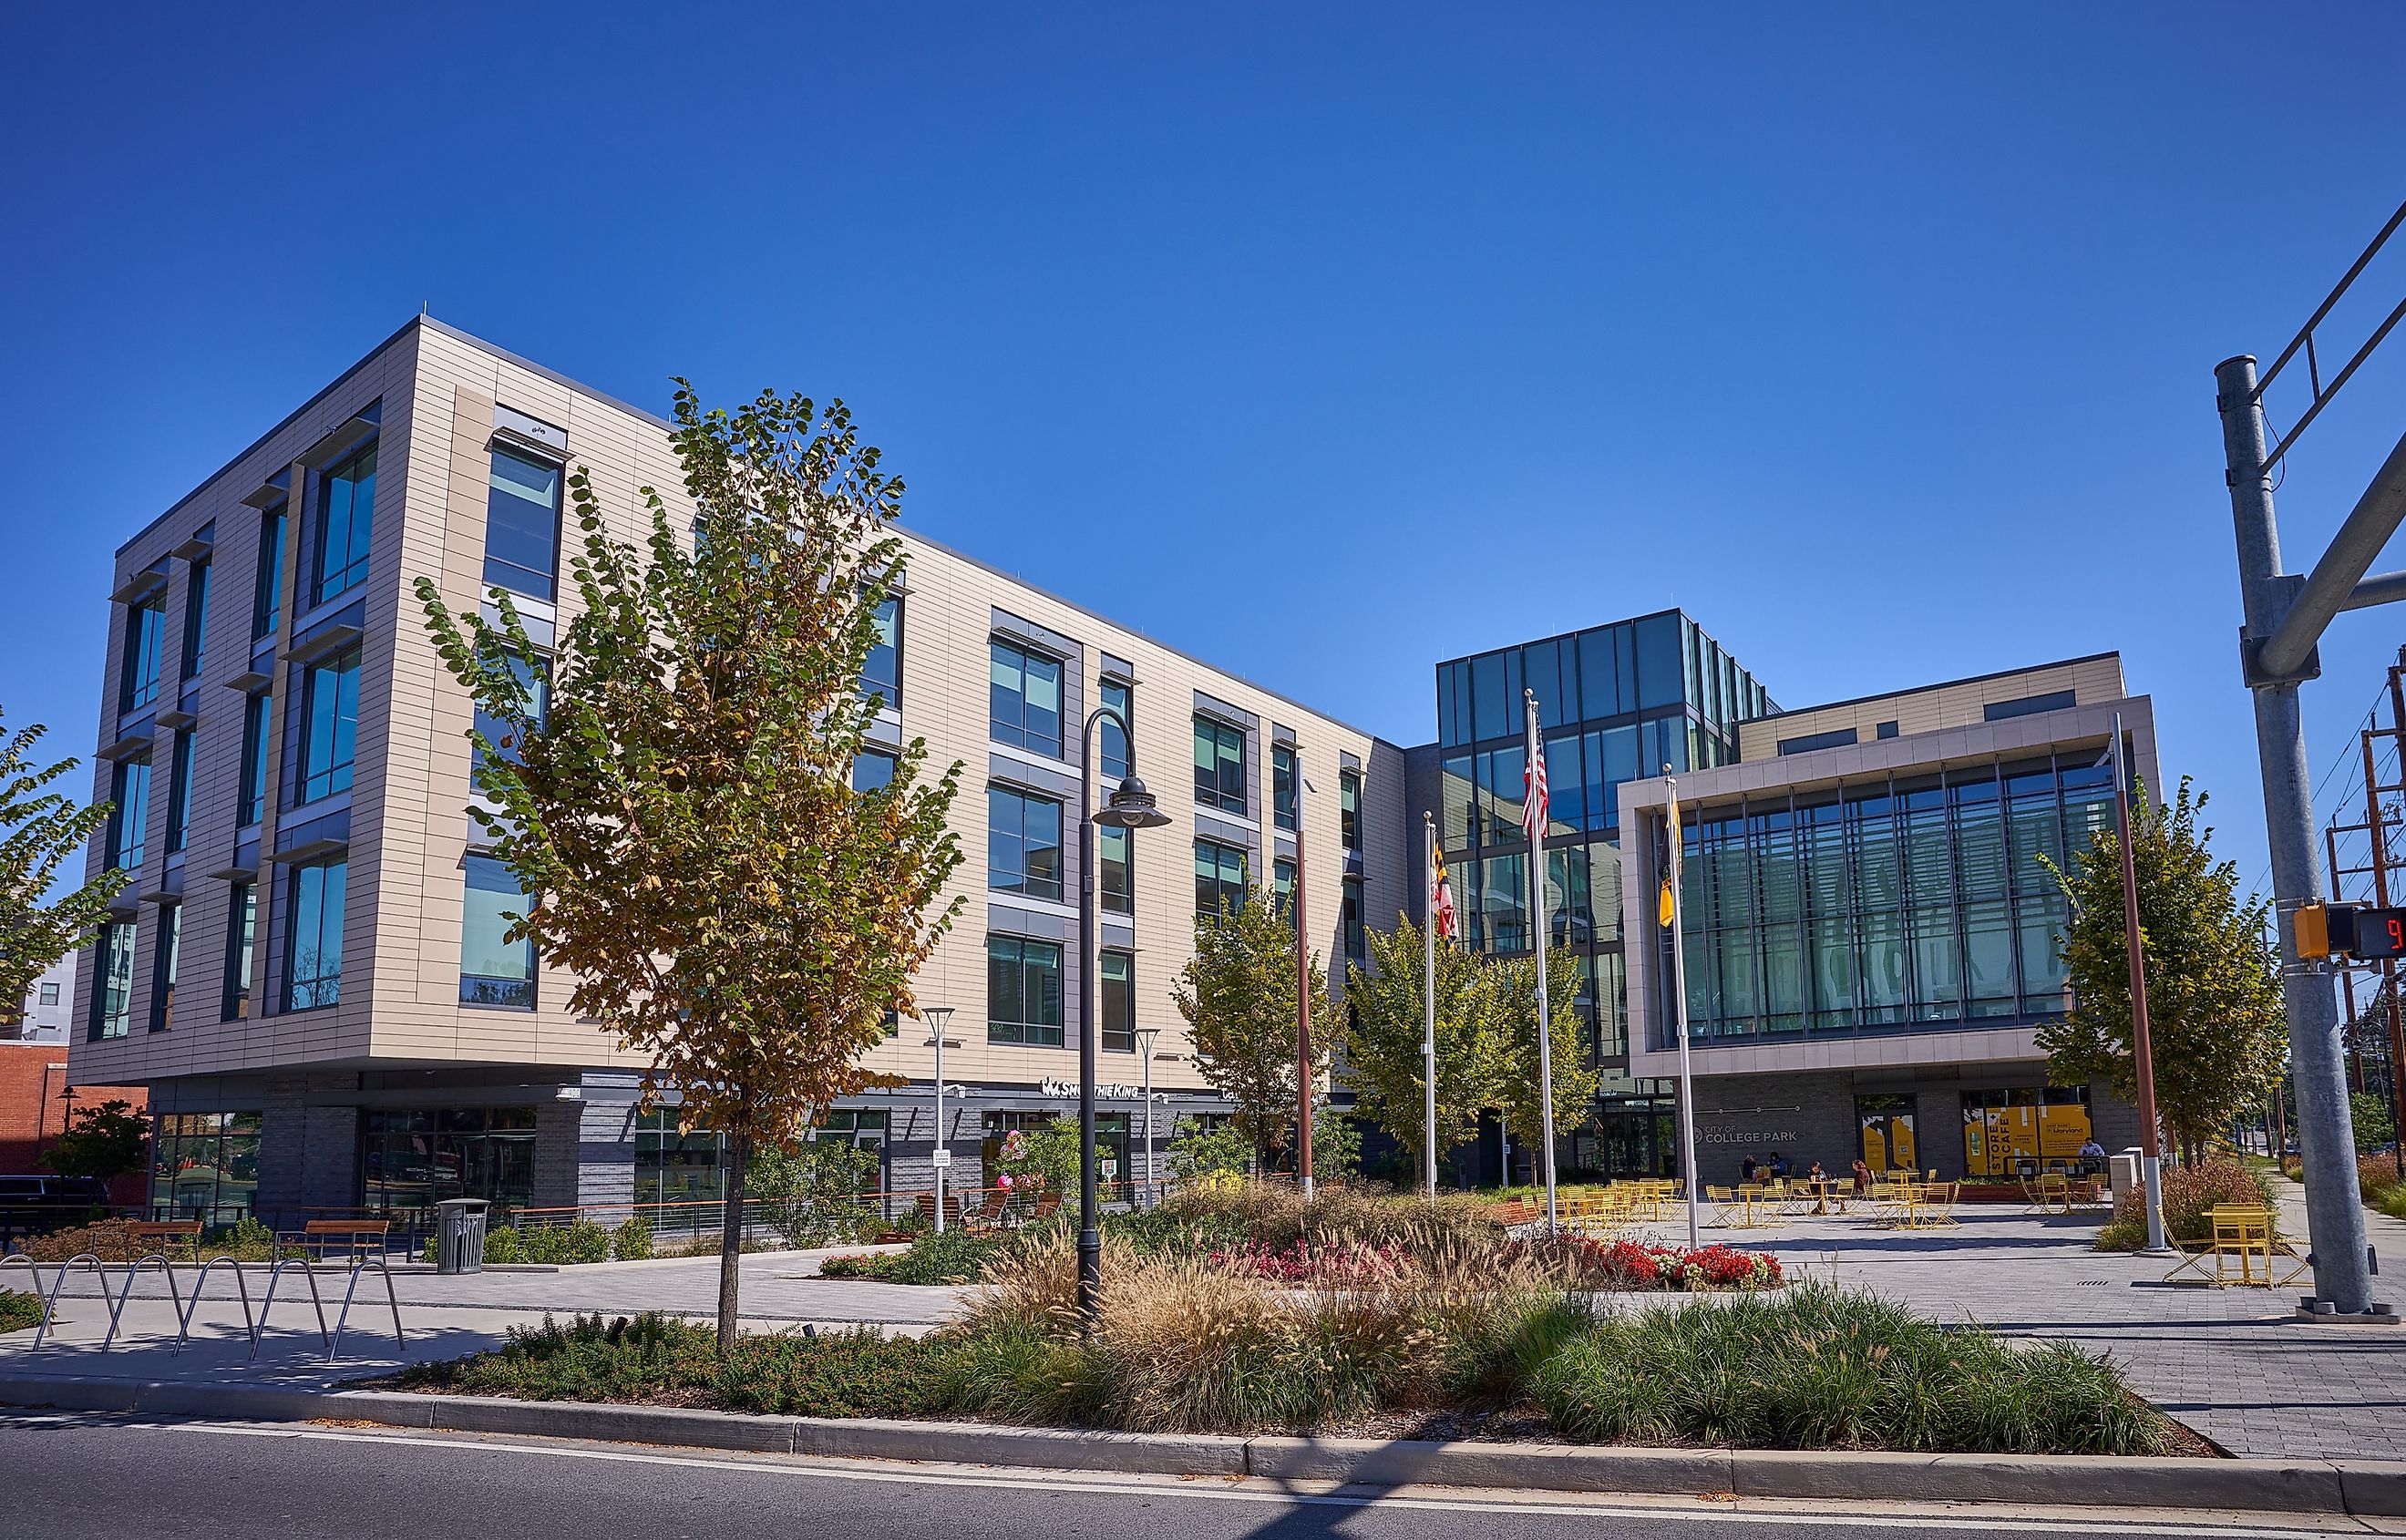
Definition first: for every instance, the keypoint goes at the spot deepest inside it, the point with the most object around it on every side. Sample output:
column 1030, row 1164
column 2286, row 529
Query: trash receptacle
column 459, row 1235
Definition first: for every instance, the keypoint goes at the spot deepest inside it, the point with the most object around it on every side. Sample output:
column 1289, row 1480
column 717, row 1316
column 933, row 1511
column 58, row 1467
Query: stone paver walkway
column 2233, row 1364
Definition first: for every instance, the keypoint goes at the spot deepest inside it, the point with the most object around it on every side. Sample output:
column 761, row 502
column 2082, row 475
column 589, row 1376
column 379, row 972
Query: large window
column 494, row 971
column 170, row 946
column 1116, row 876
column 1282, row 883
column 330, row 716
column 1220, row 765
column 1349, row 805
column 1023, row 843
column 313, row 953
column 535, row 677
column 242, row 935
column 1119, row 1002
column 345, row 516
column 146, row 640
column 522, row 526
column 1357, row 944
column 128, row 815
column 412, row 1159
column 252, row 804
column 1889, row 905
column 1219, row 879
column 196, row 618
column 267, row 595
column 881, row 673
column 204, row 1165
column 112, row 997
column 676, row 1164
column 179, row 792
column 1026, row 699
column 1023, row 991
column 1117, row 761
column 1282, row 801
column 872, row 769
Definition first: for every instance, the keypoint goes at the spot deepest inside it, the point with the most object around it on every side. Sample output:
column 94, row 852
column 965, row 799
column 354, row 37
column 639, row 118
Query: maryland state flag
column 1441, row 896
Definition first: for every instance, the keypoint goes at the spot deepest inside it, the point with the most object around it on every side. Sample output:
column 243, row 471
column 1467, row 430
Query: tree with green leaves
column 41, row 831
column 1518, row 1092
column 1238, row 994
column 683, row 815
column 1199, row 1149
column 812, row 1192
column 1381, row 1063
column 106, row 1141
column 2214, row 1016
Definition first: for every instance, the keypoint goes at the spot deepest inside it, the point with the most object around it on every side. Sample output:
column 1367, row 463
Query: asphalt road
column 71, row 1477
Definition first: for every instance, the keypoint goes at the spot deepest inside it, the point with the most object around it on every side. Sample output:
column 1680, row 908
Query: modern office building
column 1616, row 702
column 43, row 1016
column 1870, row 923
column 308, row 972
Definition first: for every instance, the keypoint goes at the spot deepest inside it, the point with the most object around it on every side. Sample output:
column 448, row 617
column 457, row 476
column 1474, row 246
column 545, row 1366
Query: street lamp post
column 1131, row 807
column 1145, row 1037
column 937, row 1017
column 1303, row 1079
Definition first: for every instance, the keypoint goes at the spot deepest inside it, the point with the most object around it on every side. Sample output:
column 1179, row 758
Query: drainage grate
column 2090, row 1283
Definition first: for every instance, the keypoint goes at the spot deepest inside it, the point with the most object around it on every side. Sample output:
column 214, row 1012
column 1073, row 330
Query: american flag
column 1533, row 808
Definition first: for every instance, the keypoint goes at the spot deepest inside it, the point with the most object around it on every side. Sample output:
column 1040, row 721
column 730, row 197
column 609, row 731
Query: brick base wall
column 32, row 1075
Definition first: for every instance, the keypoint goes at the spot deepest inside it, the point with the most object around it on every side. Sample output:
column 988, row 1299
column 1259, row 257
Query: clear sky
column 1324, row 343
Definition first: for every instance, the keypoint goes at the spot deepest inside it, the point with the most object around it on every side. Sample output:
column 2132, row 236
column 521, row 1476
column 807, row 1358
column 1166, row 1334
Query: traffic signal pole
column 2285, row 615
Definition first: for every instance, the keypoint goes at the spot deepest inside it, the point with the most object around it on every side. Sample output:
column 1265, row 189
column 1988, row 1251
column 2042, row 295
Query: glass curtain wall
column 1889, row 906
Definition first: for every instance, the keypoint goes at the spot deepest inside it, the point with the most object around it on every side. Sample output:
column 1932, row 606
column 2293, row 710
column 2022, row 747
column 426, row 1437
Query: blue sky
column 1326, row 343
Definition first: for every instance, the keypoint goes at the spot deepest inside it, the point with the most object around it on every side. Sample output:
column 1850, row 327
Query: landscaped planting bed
column 1254, row 1313
column 19, row 1311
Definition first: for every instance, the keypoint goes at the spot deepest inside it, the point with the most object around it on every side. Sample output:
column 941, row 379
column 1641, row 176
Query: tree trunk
column 731, row 1238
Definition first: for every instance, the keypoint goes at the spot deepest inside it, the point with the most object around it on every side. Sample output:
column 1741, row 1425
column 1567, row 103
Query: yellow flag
column 1664, row 912
column 1662, row 907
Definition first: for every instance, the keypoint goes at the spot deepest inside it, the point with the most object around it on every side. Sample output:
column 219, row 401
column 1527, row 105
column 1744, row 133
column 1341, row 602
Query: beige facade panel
column 409, row 834
column 1934, row 707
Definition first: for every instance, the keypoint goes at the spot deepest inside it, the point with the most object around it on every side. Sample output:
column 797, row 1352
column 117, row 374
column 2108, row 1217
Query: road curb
column 2361, row 1488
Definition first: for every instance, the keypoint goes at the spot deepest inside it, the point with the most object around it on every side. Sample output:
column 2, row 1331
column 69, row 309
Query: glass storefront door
column 1888, row 1134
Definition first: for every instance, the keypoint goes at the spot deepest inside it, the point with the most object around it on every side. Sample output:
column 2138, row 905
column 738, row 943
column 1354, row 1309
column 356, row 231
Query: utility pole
column 2151, row 1152
column 1303, row 1086
column 2377, row 827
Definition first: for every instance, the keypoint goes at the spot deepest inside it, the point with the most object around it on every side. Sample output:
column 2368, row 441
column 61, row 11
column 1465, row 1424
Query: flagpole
column 1544, row 934
column 1679, row 1007
column 1428, row 1001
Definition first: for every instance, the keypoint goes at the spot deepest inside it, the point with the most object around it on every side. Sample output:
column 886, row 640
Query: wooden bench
column 156, row 1234
column 351, row 1235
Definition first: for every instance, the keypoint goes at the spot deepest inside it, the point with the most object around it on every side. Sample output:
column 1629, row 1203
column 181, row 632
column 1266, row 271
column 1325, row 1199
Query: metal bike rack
column 31, row 1267
column 50, row 1305
column 360, row 1264
column 276, row 1274
column 125, row 1290
column 249, row 1324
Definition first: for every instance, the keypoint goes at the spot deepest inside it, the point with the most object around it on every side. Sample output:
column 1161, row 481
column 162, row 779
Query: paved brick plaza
column 2231, row 1363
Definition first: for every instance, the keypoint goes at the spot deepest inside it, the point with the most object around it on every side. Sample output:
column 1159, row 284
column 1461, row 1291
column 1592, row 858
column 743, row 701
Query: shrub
column 2370, row 1117
column 811, row 1194
column 1624, row 1264
column 19, row 1311
column 2191, row 1194
column 631, row 1241
column 504, row 1243
column 954, row 1256
column 1815, row 1367
column 630, row 1359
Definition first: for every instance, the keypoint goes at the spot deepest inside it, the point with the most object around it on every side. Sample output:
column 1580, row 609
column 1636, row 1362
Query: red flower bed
column 1628, row 1265
column 1305, row 1263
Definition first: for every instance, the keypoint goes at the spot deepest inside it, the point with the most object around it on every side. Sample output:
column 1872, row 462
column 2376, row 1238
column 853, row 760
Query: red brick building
column 32, row 1115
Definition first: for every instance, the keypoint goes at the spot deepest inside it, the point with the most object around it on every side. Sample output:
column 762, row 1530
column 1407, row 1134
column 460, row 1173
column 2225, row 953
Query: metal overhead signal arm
column 2286, row 617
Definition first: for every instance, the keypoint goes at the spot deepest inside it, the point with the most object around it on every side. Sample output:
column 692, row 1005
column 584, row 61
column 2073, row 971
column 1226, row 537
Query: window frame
column 1003, row 839
column 1015, row 1033
column 513, row 994
column 180, row 791
column 549, row 592
column 1214, row 794
column 1120, row 1040
column 196, row 617
column 1219, row 882
column 1286, row 809
column 311, row 781
column 890, row 633
column 1117, row 694
column 1120, row 898
column 1018, row 734
column 129, row 812
column 241, row 943
column 166, row 954
column 1348, row 809
column 145, row 657
column 324, row 987
column 112, row 980
column 267, row 586
column 250, row 809
column 359, row 525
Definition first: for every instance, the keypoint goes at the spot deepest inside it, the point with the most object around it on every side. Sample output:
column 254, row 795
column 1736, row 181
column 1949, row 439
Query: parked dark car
column 37, row 1203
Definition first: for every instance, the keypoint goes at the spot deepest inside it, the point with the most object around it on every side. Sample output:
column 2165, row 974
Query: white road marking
column 1225, row 1488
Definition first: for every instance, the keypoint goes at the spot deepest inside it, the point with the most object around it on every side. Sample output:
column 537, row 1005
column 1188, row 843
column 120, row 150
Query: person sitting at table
column 1746, row 1168
column 1863, row 1179
column 1814, row 1173
column 2092, row 1154
column 1778, row 1167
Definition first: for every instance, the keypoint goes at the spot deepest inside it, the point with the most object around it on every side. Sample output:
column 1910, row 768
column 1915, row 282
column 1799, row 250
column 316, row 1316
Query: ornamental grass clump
column 1818, row 1367
column 2191, row 1193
